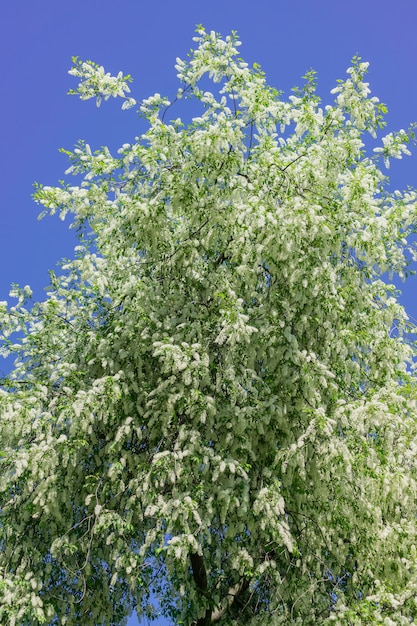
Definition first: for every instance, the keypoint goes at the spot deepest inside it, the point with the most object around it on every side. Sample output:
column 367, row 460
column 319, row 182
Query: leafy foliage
column 216, row 401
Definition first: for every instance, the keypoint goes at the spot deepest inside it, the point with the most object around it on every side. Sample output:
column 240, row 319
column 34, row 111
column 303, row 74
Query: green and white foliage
column 215, row 404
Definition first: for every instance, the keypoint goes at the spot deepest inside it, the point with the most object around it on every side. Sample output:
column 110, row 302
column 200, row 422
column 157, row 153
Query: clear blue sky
column 287, row 37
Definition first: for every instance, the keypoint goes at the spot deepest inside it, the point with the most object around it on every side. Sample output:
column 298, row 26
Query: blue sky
column 287, row 37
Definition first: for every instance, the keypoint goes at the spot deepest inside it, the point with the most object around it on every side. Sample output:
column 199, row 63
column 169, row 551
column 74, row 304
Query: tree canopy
column 215, row 403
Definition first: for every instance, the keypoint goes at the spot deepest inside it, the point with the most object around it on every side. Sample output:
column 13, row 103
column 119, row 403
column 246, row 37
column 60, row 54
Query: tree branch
column 199, row 571
column 232, row 595
column 200, row 579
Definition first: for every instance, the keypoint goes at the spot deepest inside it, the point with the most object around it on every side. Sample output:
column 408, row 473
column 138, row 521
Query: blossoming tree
column 215, row 404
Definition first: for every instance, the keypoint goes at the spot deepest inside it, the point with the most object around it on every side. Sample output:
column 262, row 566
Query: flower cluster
column 95, row 83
